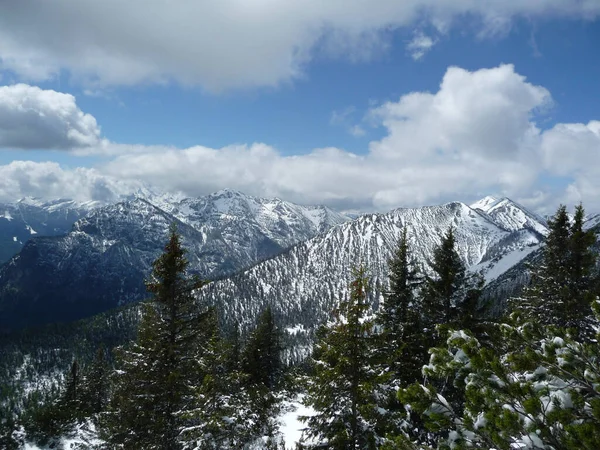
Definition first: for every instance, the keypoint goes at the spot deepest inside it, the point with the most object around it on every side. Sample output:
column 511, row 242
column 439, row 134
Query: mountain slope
column 304, row 283
column 510, row 215
column 104, row 260
column 28, row 217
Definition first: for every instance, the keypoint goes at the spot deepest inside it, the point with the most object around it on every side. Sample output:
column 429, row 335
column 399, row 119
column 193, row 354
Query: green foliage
column 542, row 391
column 342, row 389
column 451, row 295
column 157, row 373
column 562, row 287
column 262, row 353
column 400, row 345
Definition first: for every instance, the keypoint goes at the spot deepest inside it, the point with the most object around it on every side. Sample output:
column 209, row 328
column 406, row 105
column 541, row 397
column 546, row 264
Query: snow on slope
column 591, row 222
column 106, row 256
column 28, row 217
column 485, row 203
column 510, row 215
column 283, row 222
column 304, row 284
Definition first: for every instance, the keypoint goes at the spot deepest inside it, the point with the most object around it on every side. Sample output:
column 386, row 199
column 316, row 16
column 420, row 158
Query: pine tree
column 262, row 354
column 443, row 290
column 451, row 295
column 95, row 385
column 399, row 318
column 582, row 262
column 70, row 401
column 156, row 376
column 562, row 285
column 341, row 391
column 223, row 416
column 540, row 393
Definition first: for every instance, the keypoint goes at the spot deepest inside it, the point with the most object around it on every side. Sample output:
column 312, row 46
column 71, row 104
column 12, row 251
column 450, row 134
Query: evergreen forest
column 430, row 367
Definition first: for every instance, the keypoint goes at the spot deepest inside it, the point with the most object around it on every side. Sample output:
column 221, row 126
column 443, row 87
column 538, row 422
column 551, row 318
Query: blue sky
column 342, row 91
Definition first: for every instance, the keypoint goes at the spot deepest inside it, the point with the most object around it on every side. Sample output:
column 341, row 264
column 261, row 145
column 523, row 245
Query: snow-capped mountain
column 591, row 222
column 304, row 283
column 278, row 221
column 104, row 259
column 29, row 217
column 510, row 215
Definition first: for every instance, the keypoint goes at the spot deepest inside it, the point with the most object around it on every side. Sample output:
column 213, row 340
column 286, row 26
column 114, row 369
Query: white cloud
column 476, row 135
column 419, row 45
column 48, row 180
column 34, row 118
column 228, row 43
column 572, row 151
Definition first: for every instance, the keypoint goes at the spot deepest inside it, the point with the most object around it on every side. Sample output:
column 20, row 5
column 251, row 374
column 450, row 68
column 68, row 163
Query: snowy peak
column 283, row 222
column 485, row 203
column 108, row 252
column 510, row 215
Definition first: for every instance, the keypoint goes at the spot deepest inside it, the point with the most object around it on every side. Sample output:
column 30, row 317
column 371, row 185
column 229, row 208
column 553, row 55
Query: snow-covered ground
column 84, row 437
column 290, row 428
column 290, row 425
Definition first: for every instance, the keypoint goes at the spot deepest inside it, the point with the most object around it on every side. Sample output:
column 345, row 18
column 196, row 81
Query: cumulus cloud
column 572, row 151
column 229, row 43
column 48, row 180
column 419, row 45
column 33, row 118
column 476, row 135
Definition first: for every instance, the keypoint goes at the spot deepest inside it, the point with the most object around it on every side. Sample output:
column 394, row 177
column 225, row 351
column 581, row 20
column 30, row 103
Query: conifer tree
column 451, row 295
column 341, row 391
column 262, row 354
column 156, row 375
column 400, row 344
column 95, row 385
column 540, row 393
column 562, row 284
column 70, row 401
column 443, row 291
column 223, row 415
column 582, row 262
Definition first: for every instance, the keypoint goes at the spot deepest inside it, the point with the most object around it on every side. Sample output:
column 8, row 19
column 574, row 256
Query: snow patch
column 7, row 215
column 290, row 426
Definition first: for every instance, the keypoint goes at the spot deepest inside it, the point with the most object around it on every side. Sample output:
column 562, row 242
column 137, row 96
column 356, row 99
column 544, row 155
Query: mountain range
column 103, row 260
column 298, row 259
column 29, row 217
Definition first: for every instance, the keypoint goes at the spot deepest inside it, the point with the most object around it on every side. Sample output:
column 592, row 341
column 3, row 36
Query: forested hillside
column 412, row 361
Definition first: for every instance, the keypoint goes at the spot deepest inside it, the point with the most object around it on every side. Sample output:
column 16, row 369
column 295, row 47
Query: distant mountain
column 29, row 217
column 511, row 216
column 103, row 261
column 304, row 284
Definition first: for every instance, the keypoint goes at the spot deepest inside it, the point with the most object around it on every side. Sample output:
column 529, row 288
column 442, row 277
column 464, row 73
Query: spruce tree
column 562, row 284
column 95, row 385
column 443, row 291
column 223, row 415
column 341, row 391
column 156, row 375
column 399, row 318
column 582, row 262
column 451, row 295
column 262, row 354
column 70, row 402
